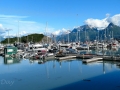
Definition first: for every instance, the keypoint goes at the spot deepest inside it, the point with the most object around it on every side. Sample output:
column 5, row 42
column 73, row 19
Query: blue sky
column 30, row 16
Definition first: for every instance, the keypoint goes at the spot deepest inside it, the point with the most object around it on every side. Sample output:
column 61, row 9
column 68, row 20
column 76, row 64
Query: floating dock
column 92, row 59
column 50, row 58
column 84, row 56
column 66, row 57
column 111, row 58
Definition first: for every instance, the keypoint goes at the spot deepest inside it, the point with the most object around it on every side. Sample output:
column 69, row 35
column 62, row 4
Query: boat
column 83, row 47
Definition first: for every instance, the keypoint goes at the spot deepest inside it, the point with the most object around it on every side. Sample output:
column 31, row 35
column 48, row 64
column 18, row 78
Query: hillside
column 24, row 39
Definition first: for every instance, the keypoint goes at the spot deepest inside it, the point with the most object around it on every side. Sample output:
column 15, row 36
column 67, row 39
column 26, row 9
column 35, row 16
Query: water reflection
column 51, row 74
column 101, row 51
column 10, row 60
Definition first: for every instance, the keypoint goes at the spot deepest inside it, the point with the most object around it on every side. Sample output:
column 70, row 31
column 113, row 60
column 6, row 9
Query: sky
column 22, row 17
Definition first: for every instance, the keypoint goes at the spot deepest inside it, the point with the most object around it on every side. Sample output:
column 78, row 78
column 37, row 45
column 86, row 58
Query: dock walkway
column 92, row 59
column 66, row 57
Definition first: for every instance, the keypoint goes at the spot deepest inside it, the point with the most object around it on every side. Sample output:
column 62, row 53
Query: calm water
column 65, row 75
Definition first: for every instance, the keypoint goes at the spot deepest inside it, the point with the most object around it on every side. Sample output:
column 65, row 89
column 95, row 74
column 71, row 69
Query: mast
column 98, row 35
column 79, row 35
column 77, row 30
column 8, row 37
column 105, row 34
column 18, row 31
column 68, row 36
column 112, row 34
column 46, row 32
column 85, row 34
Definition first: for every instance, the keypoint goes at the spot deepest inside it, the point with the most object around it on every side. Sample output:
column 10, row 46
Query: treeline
column 24, row 39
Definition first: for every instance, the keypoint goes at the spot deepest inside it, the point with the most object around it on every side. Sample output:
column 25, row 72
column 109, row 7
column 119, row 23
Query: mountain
column 115, row 29
column 85, row 33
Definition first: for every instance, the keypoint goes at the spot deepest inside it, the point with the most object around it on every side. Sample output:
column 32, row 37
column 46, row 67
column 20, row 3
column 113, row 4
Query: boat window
column 39, row 50
column 30, row 47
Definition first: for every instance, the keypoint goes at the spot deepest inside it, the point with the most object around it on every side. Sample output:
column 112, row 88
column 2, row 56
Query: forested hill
column 25, row 39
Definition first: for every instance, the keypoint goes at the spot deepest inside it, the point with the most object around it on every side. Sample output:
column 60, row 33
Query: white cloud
column 22, row 33
column 103, row 23
column 56, row 32
column 26, row 27
column 62, row 31
column 97, row 23
column 115, row 19
column 65, row 31
column 21, row 24
column 2, row 30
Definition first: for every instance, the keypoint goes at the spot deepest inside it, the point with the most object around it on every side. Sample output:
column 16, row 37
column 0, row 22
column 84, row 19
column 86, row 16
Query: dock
column 50, row 58
column 111, row 58
column 84, row 56
column 66, row 57
column 92, row 59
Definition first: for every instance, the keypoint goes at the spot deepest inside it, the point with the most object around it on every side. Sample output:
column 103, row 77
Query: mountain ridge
column 85, row 33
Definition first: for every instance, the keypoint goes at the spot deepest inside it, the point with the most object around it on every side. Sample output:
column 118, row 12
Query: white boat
column 36, row 47
column 115, row 44
column 83, row 47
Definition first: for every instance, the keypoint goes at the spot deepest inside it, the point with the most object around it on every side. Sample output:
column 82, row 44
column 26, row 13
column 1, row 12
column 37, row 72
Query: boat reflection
column 39, row 61
column 10, row 60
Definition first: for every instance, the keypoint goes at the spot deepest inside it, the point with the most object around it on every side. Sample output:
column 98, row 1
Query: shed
column 10, row 51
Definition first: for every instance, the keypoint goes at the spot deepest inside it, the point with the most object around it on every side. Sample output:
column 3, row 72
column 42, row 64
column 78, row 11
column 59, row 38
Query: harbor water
column 71, row 74
column 25, row 74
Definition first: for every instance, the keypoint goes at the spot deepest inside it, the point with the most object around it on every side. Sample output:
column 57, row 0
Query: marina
column 59, row 45
column 36, row 66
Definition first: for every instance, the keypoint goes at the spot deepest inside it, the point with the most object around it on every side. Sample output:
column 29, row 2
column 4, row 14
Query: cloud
column 3, row 17
column 61, row 32
column 65, row 31
column 103, row 23
column 21, row 24
column 115, row 19
column 56, row 32
column 23, row 33
column 2, row 29
column 97, row 23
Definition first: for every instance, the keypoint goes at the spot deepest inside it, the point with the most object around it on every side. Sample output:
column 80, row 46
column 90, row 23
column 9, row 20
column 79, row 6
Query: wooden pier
column 92, row 59
column 111, row 58
column 50, row 58
column 84, row 56
column 67, row 57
